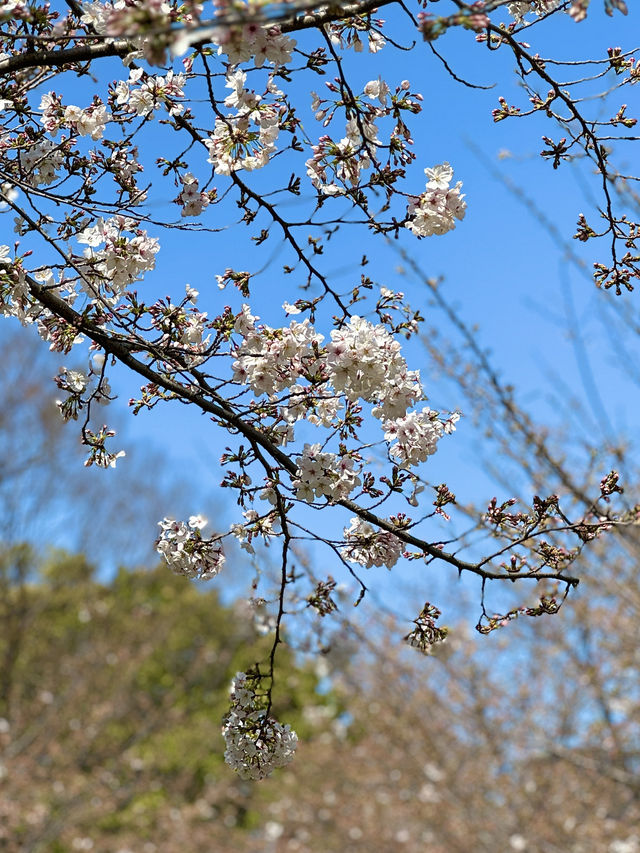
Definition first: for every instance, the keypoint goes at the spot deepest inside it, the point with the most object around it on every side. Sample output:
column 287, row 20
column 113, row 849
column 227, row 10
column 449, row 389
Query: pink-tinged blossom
column 15, row 298
column 364, row 362
column 520, row 8
column 346, row 159
column 237, row 142
column 90, row 122
column 370, row 547
column 435, row 211
column 97, row 14
column 265, row 526
column 52, row 112
column 270, row 360
column 263, row 44
column 347, row 34
column 142, row 94
column 186, row 552
column 377, row 89
column 123, row 259
column 255, row 744
column 40, row 161
column 245, row 140
column 245, row 320
column 319, row 405
column 320, row 474
column 417, row 435
column 191, row 199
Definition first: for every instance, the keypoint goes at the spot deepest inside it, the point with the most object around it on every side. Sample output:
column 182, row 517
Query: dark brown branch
column 123, row 349
column 69, row 56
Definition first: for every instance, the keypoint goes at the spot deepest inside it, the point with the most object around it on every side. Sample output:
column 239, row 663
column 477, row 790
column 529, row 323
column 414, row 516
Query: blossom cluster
column 255, row 525
column 245, row 140
column 186, row 552
column 270, row 360
column 108, row 271
column 182, row 327
column 364, row 362
column 349, row 32
column 252, row 41
column 142, row 93
column 520, row 8
column 370, row 547
column 426, row 633
column 318, row 405
column 98, row 455
column 91, row 121
column 346, row 158
column 40, row 162
column 321, row 474
column 255, row 743
column 77, row 385
column 417, row 435
column 191, row 199
column 14, row 291
column 435, row 211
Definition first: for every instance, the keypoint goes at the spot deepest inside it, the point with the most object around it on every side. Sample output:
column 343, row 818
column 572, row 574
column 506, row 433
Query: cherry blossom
column 256, row 744
column 269, row 360
column 186, row 552
column 371, row 547
column 417, row 435
column 364, row 362
column 435, row 211
column 321, row 474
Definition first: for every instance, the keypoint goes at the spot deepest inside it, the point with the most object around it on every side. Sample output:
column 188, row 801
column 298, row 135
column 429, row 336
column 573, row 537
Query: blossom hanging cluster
column 254, row 42
column 41, row 161
column 91, row 122
column 187, row 553
column 270, row 360
column 370, row 547
column 417, row 435
column 435, row 211
column 346, row 159
column 81, row 387
column 191, row 199
column 256, row 525
column 320, row 474
column 255, row 743
column 120, row 260
column 364, row 362
column 15, row 299
column 350, row 32
column 246, row 139
column 143, row 93
column 338, row 167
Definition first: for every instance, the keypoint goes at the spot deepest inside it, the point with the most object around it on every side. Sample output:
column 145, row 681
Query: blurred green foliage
column 113, row 694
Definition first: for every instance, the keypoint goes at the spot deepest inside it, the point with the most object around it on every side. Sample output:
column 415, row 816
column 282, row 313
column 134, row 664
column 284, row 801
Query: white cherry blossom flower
column 371, row 547
column 186, row 551
column 255, row 744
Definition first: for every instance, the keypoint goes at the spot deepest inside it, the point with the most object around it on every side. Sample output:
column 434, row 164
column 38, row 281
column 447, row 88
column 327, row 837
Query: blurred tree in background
column 46, row 496
column 111, row 708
